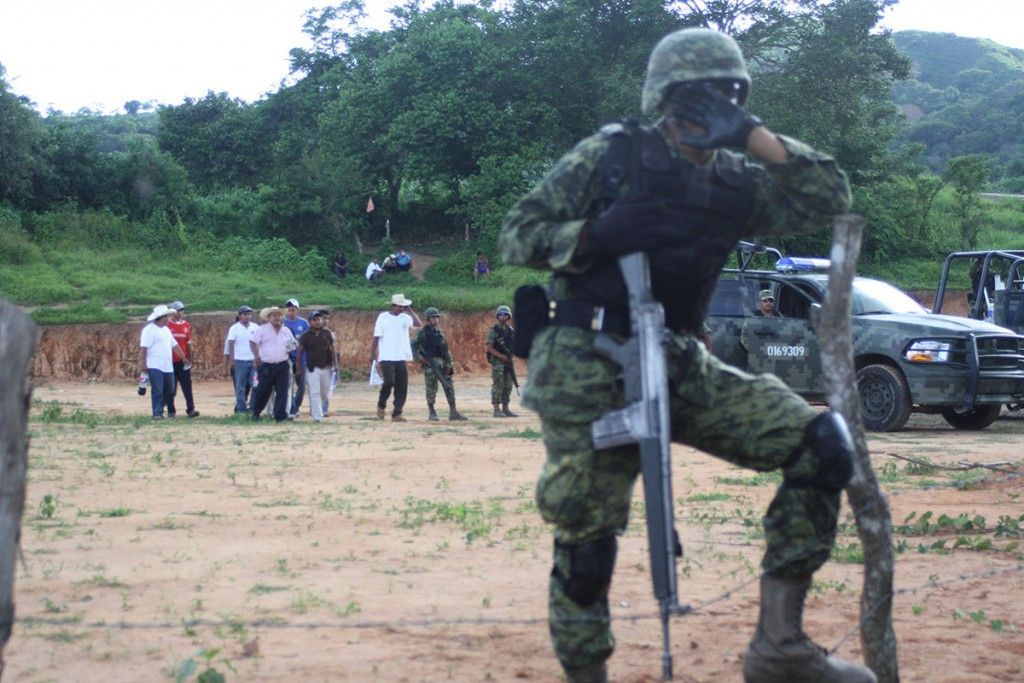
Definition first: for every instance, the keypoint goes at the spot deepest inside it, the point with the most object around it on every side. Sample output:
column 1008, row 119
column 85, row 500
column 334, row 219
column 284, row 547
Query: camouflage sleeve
column 417, row 342
column 491, row 336
column 798, row 196
column 542, row 230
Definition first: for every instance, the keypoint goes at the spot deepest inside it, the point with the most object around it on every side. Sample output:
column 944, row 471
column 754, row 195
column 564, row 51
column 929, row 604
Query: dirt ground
column 361, row 550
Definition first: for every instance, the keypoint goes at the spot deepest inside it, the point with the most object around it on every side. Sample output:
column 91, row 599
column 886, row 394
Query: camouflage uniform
column 444, row 360
column 501, row 374
column 750, row 421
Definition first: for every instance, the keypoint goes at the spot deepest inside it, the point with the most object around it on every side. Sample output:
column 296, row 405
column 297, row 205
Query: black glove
column 725, row 123
column 631, row 223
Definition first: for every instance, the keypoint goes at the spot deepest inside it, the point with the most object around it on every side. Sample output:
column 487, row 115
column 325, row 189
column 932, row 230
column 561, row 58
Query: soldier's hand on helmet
column 631, row 223
column 725, row 123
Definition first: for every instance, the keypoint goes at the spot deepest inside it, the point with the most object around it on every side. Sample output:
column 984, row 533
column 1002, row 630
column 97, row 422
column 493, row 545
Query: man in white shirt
column 156, row 351
column 391, row 350
column 238, row 358
column 373, row 271
column 271, row 343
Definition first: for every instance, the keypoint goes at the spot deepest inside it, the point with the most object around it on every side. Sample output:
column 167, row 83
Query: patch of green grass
column 759, row 479
column 264, row 589
column 527, row 433
column 115, row 512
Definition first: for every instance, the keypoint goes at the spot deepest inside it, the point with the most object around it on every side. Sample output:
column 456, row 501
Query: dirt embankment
column 111, row 352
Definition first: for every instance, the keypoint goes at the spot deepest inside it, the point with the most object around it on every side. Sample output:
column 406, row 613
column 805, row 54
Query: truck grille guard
column 986, row 353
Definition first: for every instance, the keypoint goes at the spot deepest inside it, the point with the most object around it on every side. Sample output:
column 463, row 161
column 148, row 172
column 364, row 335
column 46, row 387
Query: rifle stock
column 645, row 421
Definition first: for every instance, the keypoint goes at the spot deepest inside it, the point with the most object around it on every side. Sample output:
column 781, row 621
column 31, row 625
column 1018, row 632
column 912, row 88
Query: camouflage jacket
column 498, row 337
column 543, row 230
column 419, row 342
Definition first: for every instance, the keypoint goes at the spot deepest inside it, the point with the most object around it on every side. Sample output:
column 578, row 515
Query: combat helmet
column 692, row 54
column 432, row 312
column 503, row 310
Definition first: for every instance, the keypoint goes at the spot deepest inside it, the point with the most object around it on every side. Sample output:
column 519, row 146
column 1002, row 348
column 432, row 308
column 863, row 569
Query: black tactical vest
column 506, row 335
column 713, row 203
column 432, row 342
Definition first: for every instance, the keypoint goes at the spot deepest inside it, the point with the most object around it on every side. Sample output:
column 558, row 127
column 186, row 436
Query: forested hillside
column 446, row 117
column 965, row 96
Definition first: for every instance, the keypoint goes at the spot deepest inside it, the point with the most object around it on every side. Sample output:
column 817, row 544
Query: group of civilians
column 276, row 361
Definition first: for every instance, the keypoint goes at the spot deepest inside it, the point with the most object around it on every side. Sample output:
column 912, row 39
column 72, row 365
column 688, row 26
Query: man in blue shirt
column 298, row 326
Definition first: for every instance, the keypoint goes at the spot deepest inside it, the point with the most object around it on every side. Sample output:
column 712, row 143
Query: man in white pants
column 316, row 348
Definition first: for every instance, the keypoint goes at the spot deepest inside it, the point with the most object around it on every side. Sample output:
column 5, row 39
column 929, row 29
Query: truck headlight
column 928, row 351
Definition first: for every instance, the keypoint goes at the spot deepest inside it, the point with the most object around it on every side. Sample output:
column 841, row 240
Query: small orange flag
column 369, row 205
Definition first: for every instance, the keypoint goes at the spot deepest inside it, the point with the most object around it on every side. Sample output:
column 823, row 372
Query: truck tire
column 884, row 398
column 977, row 418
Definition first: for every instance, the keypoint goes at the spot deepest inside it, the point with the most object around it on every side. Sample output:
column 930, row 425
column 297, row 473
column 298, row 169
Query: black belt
column 571, row 313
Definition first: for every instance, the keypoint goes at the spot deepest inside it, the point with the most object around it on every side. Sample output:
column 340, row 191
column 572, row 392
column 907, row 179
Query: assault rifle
column 444, row 377
column 510, row 364
column 645, row 421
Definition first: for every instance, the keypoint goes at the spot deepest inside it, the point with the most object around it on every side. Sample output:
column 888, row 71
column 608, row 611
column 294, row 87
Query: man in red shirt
column 181, row 330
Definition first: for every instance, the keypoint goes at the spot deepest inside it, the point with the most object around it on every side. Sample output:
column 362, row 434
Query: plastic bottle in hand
column 255, row 379
column 334, row 380
column 143, row 383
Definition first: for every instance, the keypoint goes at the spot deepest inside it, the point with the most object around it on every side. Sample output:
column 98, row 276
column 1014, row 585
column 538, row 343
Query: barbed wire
column 403, row 624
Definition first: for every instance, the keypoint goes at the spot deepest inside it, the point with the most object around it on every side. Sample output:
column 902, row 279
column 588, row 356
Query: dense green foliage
column 965, row 96
column 448, row 116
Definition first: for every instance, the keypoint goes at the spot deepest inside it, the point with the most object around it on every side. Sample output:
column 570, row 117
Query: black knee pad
column 590, row 569
column 828, row 441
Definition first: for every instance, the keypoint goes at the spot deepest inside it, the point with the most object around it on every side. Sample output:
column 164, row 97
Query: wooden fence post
column 870, row 509
column 18, row 337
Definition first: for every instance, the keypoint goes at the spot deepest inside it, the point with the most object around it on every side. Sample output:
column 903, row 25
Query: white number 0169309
column 784, row 351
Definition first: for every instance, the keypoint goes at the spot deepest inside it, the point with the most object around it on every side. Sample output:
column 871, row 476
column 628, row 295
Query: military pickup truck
column 907, row 359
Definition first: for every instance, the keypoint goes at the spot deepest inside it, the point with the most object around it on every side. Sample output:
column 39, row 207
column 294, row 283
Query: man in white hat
column 156, row 351
column 270, row 345
column 391, row 351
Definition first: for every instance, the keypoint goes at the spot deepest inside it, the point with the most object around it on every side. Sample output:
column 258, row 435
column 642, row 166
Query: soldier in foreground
column 500, row 339
column 431, row 348
column 674, row 191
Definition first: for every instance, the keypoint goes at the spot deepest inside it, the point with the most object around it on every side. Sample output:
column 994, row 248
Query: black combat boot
column 506, row 412
column 497, row 411
column 454, row 415
column 433, row 413
column 781, row 652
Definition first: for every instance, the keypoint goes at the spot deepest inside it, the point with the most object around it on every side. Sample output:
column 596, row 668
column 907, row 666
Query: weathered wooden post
column 870, row 508
column 18, row 337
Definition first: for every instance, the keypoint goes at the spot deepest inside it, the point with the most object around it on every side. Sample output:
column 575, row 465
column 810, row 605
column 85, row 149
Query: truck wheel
column 976, row 418
column 884, row 398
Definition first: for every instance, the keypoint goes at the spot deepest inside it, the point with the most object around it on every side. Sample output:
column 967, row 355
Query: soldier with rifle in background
column 431, row 348
column 650, row 214
column 500, row 339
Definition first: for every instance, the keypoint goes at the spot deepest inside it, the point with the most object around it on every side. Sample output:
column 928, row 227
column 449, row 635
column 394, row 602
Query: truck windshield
column 875, row 296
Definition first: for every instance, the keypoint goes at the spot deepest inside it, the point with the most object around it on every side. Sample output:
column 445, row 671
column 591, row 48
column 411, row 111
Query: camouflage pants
column 431, row 380
column 750, row 421
column 501, row 383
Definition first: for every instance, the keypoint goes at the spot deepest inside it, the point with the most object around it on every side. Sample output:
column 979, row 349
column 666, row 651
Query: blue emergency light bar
column 795, row 264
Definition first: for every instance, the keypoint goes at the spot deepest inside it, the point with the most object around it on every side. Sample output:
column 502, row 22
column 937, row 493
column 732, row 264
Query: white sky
column 69, row 54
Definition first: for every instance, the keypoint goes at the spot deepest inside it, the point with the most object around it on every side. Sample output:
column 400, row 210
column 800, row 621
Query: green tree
column 968, row 175
column 20, row 135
